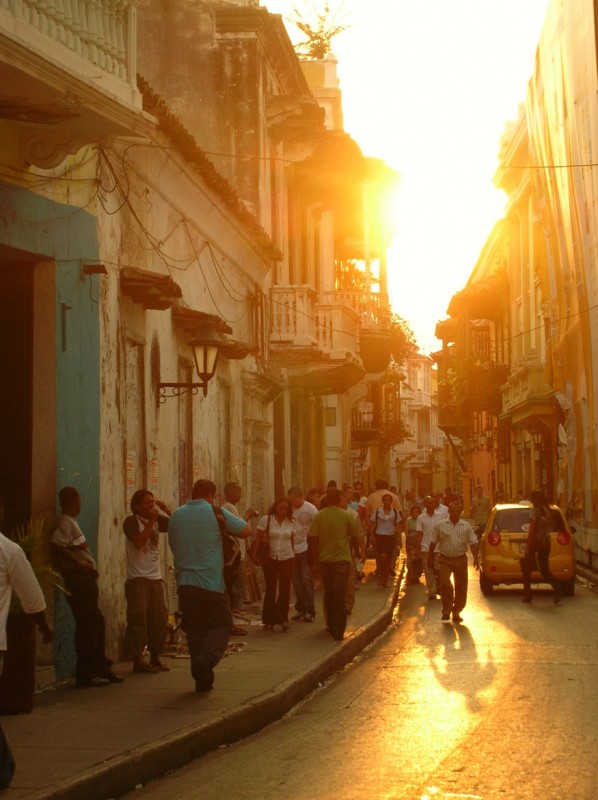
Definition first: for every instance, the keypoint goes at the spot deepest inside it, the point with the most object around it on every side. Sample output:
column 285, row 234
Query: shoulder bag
column 231, row 551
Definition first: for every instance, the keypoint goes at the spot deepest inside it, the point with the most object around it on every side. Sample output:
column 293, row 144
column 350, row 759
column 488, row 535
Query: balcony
column 416, row 399
column 527, row 398
column 316, row 342
column 68, row 73
column 430, row 440
column 451, row 418
column 468, row 387
column 293, row 334
column 374, row 315
column 365, row 422
column 369, row 424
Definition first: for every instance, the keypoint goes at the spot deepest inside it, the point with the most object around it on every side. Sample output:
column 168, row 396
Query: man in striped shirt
column 453, row 536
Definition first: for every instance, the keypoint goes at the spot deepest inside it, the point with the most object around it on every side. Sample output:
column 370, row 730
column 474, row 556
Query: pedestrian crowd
column 303, row 543
column 306, row 541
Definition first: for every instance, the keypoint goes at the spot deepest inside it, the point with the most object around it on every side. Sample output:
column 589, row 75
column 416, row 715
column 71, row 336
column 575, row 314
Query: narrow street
column 502, row 706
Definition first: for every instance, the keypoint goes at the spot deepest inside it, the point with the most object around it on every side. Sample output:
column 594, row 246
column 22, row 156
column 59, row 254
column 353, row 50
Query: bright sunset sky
column 428, row 86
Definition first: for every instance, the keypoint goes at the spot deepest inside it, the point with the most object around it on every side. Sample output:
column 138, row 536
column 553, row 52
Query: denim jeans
column 335, row 575
column 303, row 584
column 207, row 621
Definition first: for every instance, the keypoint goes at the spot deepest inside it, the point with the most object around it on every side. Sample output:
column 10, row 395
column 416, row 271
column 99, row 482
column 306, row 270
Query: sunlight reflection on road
column 432, row 793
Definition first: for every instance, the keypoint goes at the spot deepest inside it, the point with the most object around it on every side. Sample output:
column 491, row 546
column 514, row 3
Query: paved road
column 503, row 706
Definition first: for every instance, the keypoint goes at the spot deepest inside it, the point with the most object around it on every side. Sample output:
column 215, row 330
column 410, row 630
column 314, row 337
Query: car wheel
column 568, row 587
column 486, row 585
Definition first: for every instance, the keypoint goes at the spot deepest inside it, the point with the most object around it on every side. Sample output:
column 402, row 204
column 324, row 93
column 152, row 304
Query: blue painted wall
column 67, row 235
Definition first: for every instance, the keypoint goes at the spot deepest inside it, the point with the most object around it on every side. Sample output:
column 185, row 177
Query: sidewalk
column 98, row 743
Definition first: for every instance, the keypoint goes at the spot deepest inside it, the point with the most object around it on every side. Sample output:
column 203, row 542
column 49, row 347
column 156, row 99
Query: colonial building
column 420, row 461
column 530, row 304
column 169, row 183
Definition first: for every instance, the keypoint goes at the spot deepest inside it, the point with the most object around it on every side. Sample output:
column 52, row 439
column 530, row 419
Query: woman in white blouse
column 279, row 527
column 385, row 523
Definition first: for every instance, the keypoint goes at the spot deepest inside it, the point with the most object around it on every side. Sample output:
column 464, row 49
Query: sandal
column 159, row 665
column 139, row 665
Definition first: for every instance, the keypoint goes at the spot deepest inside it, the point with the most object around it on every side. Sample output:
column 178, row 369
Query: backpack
column 231, row 551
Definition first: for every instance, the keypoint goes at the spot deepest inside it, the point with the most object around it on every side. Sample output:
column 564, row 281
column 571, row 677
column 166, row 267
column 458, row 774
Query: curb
column 142, row 764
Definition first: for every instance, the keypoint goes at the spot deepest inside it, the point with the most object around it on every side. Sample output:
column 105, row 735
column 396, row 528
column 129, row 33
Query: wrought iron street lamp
column 206, row 348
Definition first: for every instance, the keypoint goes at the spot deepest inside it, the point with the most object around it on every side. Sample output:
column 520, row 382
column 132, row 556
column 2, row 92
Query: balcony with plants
column 472, row 367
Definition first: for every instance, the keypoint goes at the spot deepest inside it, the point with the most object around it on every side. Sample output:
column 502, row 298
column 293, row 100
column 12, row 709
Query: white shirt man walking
column 453, row 536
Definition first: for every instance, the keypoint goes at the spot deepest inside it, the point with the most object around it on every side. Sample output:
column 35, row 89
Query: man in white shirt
column 439, row 505
column 236, row 590
column 452, row 537
column 303, row 584
column 17, row 573
column 426, row 522
column 78, row 568
column 147, row 617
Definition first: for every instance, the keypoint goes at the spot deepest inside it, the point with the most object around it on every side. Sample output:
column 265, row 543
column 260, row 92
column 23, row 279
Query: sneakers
column 445, row 618
column 299, row 615
column 309, row 617
column 457, row 617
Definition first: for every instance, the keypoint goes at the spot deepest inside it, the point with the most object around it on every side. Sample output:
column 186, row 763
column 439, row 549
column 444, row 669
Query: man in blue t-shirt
column 195, row 539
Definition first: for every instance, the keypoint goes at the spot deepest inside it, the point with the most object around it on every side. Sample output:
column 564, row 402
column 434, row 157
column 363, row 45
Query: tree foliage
column 403, row 344
column 319, row 26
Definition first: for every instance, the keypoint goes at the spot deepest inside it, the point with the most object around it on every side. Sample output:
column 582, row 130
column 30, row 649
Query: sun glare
column 428, row 86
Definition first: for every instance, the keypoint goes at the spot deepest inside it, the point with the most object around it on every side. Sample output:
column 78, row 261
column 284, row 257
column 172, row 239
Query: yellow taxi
column 503, row 546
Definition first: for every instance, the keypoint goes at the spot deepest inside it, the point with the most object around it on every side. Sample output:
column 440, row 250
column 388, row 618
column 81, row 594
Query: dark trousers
column 528, row 564
column 90, row 628
column 303, row 584
column 453, row 599
column 207, row 621
column 335, row 575
column 147, row 618
column 277, row 597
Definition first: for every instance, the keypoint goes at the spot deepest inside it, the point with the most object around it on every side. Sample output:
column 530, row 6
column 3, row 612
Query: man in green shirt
column 480, row 508
column 332, row 534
